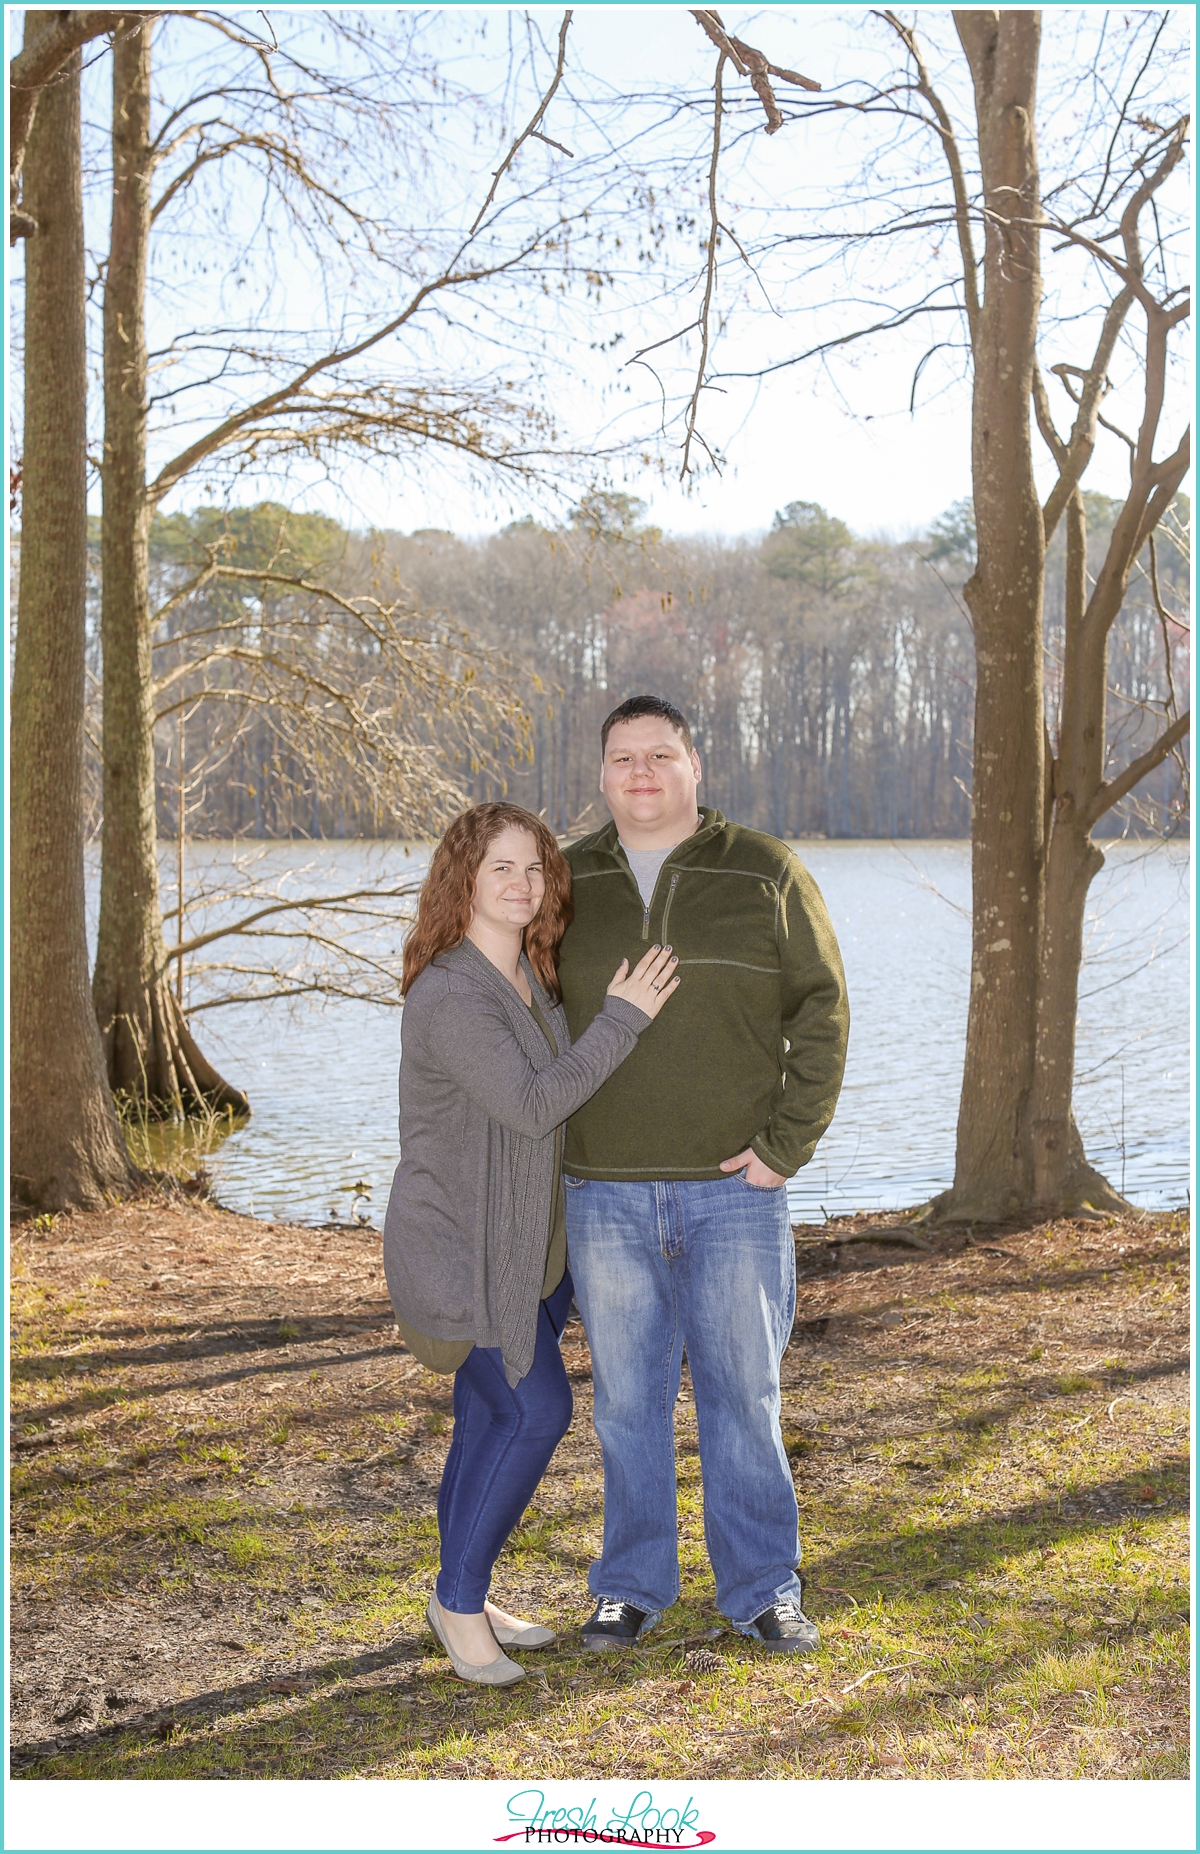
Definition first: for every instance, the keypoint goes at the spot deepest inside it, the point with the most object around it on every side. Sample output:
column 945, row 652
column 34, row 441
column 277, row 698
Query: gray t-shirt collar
column 646, row 865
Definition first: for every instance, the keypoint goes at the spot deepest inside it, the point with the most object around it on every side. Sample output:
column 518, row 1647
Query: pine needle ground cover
column 224, row 1475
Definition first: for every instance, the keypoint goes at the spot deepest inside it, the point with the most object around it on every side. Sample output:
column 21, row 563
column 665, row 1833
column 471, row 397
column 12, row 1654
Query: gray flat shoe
column 531, row 1635
column 498, row 1673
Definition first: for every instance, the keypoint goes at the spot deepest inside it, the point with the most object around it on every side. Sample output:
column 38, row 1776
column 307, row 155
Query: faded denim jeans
column 708, row 1264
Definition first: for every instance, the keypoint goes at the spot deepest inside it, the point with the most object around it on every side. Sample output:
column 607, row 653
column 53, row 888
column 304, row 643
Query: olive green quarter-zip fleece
column 750, row 1049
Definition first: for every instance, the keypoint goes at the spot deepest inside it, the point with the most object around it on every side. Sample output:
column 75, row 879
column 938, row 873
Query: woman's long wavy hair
column 448, row 893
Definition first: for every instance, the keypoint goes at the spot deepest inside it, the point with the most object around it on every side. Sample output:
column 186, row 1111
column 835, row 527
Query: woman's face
column 511, row 882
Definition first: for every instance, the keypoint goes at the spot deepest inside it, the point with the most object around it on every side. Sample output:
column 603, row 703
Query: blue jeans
column 504, row 1436
column 708, row 1264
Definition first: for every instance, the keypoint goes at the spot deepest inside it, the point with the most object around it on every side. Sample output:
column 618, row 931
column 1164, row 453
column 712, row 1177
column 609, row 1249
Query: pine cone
column 702, row 1661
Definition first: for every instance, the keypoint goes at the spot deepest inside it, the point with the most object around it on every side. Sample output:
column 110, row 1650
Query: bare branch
column 899, row 320
column 749, row 62
column 1172, row 703
column 962, row 205
column 531, row 126
column 1131, row 270
column 1122, row 118
column 1045, row 420
column 711, row 22
column 34, row 67
column 286, row 398
column 1130, row 218
column 277, row 150
column 710, row 274
column 1116, row 789
column 325, row 988
column 249, row 921
column 1077, row 453
column 551, row 143
column 665, row 342
column 1166, row 476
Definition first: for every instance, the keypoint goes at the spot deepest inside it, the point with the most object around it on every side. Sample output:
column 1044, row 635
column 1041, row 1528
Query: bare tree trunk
column 1005, row 598
column 1062, row 1177
column 1032, row 855
column 42, row 57
column 1063, row 1180
column 1078, row 795
column 149, row 1051
column 67, row 1147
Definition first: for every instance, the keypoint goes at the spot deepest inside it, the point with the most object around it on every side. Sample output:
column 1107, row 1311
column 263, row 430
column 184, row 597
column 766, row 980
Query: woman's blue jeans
column 709, row 1264
column 504, row 1436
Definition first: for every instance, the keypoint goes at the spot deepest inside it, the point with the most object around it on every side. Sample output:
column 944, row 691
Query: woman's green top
column 446, row 1355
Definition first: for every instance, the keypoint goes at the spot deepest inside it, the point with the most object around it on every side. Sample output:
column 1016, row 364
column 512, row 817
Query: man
column 675, row 1170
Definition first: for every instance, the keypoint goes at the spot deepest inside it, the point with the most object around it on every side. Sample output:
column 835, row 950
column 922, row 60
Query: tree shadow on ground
column 89, row 1401
column 425, row 1697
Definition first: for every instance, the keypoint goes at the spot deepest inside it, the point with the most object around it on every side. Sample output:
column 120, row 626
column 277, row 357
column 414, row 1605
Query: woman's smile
column 510, row 886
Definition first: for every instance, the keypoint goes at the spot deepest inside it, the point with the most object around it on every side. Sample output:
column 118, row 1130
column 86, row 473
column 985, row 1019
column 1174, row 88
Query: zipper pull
column 646, row 922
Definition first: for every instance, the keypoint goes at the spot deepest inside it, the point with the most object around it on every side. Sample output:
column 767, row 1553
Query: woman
column 474, row 1238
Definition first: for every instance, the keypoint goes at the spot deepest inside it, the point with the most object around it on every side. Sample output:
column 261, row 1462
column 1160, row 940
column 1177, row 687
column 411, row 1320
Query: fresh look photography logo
column 644, row 1823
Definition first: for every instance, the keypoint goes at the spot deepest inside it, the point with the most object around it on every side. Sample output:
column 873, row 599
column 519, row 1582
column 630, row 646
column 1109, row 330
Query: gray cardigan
column 468, row 1219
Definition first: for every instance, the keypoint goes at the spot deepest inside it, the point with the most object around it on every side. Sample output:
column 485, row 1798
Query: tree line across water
column 830, row 678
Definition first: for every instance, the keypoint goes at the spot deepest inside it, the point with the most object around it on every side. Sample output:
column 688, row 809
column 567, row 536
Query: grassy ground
column 225, row 1469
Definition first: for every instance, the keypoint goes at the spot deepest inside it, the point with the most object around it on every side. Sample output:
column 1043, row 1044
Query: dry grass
column 223, row 1497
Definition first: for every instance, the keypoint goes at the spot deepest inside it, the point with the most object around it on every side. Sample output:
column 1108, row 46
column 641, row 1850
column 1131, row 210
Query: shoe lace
column 611, row 1610
column 789, row 1610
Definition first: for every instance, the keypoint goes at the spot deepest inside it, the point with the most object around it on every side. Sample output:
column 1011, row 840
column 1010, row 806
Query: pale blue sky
column 841, row 435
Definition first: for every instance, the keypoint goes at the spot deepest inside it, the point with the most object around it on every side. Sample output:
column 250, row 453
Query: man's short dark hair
column 639, row 705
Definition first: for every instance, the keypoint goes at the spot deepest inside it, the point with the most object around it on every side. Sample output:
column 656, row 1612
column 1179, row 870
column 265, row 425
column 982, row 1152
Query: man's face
column 649, row 779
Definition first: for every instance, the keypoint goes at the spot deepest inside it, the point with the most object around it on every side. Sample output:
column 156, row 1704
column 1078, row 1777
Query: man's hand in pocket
column 756, row 1172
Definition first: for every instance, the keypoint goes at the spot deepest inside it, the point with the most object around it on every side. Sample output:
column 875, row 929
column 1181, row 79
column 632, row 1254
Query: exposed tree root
column 155, row 1063
column 1086, row 1192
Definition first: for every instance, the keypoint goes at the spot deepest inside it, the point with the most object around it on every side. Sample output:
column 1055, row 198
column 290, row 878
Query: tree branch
column 232, row 427
column 1166, row 477
column 710, row 272
column 29, row 72
column 958, row 181
column 1164, row 623
column 1077, row 453
column 710, row 20
column 898, row 320
column 327, row 988
column 1116, row 789
column 277, row 151
column 1056, row 445
column 531, row 127
column 283, row 907
column 748, row 61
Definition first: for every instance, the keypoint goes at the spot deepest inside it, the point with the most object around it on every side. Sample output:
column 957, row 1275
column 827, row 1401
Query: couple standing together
column 626, row 1139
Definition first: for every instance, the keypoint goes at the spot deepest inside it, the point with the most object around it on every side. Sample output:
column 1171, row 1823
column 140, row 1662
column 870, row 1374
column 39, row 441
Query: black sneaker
column 785, row 1629
column 616, row 1624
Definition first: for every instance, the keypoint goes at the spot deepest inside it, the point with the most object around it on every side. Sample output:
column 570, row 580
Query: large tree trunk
column 992, row 1174
column 1063, row 1180
column 66, row 1145
column 1062, row 1176
column 149, row 1051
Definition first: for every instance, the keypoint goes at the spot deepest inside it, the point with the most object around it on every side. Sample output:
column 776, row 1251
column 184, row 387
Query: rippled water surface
column 322, row 1077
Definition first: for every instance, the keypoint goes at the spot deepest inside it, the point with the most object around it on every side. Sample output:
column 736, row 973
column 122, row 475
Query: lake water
column 322, row 1076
